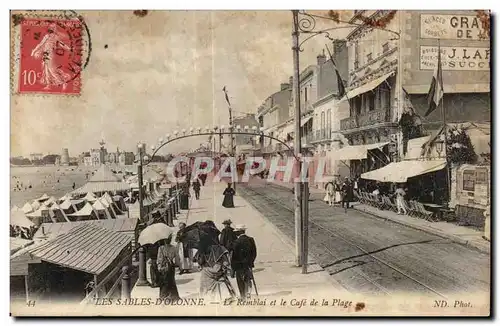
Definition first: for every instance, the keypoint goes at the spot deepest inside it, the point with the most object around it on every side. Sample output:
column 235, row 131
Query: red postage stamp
column 50, row 56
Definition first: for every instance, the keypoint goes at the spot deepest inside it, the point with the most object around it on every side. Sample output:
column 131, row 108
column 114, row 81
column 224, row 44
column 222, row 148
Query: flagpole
column 445, row 129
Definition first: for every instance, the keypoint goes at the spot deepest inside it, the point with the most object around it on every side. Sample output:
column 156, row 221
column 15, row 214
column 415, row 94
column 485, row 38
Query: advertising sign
column 455, row 58
column 450, row 27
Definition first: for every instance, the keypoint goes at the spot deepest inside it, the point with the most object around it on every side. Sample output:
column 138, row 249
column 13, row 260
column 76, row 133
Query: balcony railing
column 369, row 118
column 322, row 134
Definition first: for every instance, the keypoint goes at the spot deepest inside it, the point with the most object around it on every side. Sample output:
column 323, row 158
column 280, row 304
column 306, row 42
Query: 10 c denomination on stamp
column 50, row 56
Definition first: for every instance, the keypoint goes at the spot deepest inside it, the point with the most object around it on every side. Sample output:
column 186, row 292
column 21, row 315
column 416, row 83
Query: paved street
column 373, row 256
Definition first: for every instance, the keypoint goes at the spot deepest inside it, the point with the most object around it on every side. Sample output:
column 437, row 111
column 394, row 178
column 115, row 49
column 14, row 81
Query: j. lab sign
column 450, row 27
column 455, row 58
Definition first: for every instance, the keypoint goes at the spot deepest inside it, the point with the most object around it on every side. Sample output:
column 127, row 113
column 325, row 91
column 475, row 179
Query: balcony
column 322, row 135
column 363, row 120
column 307, row 139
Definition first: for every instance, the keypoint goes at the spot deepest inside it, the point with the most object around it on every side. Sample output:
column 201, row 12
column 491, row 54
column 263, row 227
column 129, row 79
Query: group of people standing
column 219, row 255
column 342, row 194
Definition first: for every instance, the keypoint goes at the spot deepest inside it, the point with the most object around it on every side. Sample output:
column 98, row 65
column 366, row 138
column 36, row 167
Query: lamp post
column 142, row 280
column 298, row 214
column 306, row 24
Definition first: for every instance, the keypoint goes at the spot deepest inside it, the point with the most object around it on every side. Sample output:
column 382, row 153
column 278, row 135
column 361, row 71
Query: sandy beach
column 43, row 179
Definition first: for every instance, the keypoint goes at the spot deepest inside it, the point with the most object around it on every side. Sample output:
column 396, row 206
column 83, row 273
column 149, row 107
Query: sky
column 148, row 76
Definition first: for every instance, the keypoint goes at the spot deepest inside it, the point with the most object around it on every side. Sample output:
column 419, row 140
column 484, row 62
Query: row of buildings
column 387, row 74
column 99, row 156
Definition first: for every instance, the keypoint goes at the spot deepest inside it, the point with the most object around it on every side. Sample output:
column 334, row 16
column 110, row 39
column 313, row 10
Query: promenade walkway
column 275, row 272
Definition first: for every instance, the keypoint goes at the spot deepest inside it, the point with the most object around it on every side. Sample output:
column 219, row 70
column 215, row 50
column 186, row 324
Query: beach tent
column 35, row 204
column 50, row 201
column 27, row 208
column 78, row 203
column 101, row 209
column 86, row 213
column 103, row 180
column 41, row 215
column 18, row 218
column 120, row 202
column 90, row 197
column 15, row 208
column 59, row 214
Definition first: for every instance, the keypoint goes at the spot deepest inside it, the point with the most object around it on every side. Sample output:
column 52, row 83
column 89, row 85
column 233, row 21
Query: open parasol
column 205, row 233
column 154, row 233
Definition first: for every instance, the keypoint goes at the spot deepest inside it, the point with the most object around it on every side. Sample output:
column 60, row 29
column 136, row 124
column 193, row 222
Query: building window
column 385, row 47
column 369, row 57
column 328, row 123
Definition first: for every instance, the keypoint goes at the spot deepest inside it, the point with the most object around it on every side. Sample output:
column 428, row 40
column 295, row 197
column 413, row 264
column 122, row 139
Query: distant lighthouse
column 65, row 157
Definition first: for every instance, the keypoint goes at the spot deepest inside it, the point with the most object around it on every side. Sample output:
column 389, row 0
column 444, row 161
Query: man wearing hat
column 346, row 190
column 242, row 262
column 227, row 236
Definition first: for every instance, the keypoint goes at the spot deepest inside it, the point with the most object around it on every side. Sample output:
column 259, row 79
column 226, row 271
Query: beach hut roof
column 27, row 208
column 105, row 200
column 104, row 174
column 50, row 201
column 99, row 206
column 35, row 205
column 51, row 230
column 66, row 196
column 15, row 208
column 86, row 210
column 38, row 212
column 65, row 204
column 90, row 197
column 18, row 218
column 80, row 245
column 43, row 197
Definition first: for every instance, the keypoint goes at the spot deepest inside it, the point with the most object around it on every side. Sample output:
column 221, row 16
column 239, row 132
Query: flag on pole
column 340, row 81
column 436, row 92
column 227, row 98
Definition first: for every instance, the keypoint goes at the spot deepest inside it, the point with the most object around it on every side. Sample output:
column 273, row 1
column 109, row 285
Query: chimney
column 285, row 86
column 321, row 58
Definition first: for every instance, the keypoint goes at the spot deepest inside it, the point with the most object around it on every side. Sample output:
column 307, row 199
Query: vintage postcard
column 250, row 163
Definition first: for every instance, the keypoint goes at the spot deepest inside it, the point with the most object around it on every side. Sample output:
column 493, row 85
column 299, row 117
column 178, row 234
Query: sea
column 51, row 180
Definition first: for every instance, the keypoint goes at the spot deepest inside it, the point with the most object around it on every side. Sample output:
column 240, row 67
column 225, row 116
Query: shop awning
column 357, row 152
column 367, row 87
column 288, row 129
column 401, row 171
column 305, row 120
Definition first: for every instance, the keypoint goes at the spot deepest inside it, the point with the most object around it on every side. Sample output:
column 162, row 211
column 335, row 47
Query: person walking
column 242, row 262
column 329, row 193
column 185, row 254
column 345, row 190
column 197, row 188
column 400, row 194
column 166, row 268
column 152, row 252
column 213, row 259
column 229, row 193
column 227, row 236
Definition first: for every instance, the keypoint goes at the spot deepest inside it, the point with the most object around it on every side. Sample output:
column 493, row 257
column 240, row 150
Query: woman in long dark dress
column 228, row 197
column 153, row 255
column 166, row 268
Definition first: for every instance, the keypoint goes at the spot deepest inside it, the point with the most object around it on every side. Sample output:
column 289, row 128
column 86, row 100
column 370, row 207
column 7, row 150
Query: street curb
column 283, row 237
column 454, row 238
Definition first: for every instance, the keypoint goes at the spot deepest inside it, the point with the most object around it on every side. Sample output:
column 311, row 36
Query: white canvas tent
column 86, row 213
column 27, row 208
column 18, row 218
